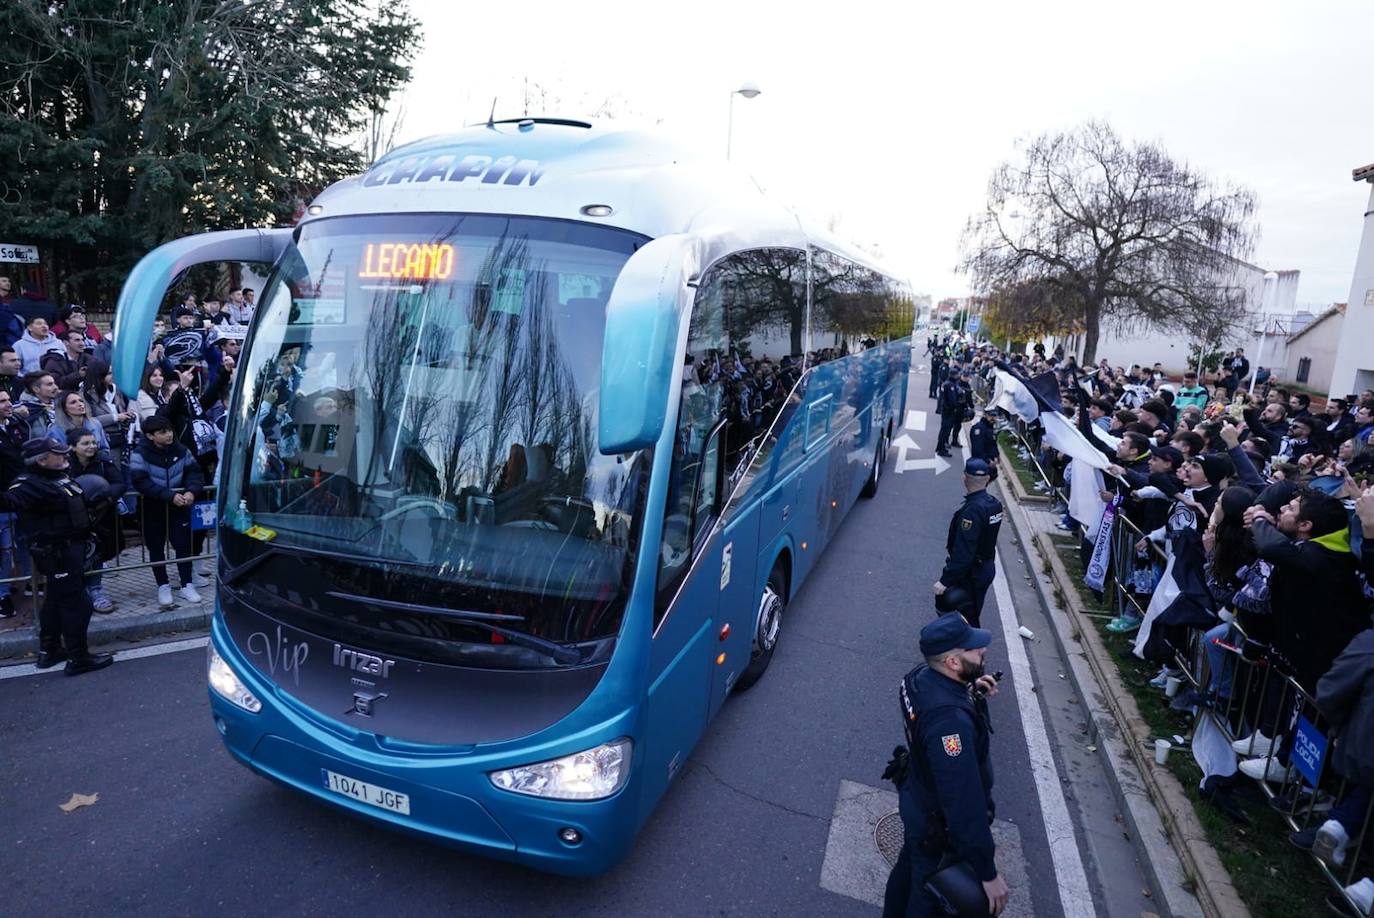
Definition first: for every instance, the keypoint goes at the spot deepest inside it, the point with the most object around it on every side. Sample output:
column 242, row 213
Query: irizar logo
column 362, row 662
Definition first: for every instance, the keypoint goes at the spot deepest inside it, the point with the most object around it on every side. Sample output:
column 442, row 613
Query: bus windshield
column 419, row 396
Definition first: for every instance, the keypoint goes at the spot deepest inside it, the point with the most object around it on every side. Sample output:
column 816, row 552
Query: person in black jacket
column 166, row 474
column 55, row 521
column 945, row 790
column 971, row 544
column 950, row 404
column 14, row 433
column 1314, row 590
column 982, row 440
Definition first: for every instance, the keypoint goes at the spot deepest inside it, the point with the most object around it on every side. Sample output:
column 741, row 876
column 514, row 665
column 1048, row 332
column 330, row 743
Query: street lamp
column 1267, row 298
column 749, row 91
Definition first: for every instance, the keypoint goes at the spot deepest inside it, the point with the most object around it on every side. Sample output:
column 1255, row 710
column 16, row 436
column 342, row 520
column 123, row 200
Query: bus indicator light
column 720, row 660
column 407, row 261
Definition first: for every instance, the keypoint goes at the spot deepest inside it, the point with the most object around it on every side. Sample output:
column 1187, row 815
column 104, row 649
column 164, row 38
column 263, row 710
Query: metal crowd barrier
column 130, row 546
column 1262, row 700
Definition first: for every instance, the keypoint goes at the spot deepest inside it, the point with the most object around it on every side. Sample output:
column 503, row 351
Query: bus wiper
column 237, row 572
column 558, row 652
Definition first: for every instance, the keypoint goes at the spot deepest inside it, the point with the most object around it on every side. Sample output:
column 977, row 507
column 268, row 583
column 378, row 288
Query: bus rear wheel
column 876, row 474
column 767, row 627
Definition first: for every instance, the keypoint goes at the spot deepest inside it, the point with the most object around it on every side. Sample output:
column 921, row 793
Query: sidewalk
column 136, row 615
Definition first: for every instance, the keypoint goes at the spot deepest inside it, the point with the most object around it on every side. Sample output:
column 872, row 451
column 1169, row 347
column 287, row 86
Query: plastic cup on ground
column 1026, row 632
column 1171, row 686
column 1162, row 747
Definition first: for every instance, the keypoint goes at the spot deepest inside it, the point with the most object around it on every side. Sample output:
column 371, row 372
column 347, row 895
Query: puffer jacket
column 1346, row 696
column 1315, row 595
column 158, row 473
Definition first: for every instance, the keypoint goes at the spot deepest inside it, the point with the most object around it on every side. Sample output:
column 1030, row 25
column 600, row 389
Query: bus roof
column 555, row 167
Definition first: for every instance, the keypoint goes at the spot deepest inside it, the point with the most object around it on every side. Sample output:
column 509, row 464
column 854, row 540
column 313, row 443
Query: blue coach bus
column 538, row 428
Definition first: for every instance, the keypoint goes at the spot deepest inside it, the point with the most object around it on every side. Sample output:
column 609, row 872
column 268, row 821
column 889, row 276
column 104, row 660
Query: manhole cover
column 887, row 835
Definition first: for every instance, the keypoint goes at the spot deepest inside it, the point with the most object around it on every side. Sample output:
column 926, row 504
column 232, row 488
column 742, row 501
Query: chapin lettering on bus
column 446, row 167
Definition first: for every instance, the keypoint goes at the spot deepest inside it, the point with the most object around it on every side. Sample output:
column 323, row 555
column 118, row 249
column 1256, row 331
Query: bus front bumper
column 450, row 798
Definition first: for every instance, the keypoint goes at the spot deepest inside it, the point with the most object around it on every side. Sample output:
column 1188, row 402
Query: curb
column 1189, row 885
column 102, row 631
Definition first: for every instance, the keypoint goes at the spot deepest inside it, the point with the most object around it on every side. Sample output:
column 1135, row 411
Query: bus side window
column 707, row 503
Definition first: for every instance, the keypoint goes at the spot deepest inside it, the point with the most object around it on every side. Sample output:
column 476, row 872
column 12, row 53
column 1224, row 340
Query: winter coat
column 116, row 430
column 1345, row 695
column 66, row 371
column 11, row 326
column 158, row 474
column 1315, row 595
column 31, row 350
column 41, row 417
column 13, row 434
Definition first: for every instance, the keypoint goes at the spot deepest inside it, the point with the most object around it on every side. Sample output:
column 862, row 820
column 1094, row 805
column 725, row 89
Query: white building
column 1354, row 370
column 1271, row 298
column 1307, row 355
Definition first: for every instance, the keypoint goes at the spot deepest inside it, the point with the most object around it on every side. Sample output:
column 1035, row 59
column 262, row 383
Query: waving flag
column 1181, row 599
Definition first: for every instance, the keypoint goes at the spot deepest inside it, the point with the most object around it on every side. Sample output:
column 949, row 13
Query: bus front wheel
column 767, row 627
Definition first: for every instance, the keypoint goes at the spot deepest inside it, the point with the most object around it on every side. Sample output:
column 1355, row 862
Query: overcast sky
column 891, row 117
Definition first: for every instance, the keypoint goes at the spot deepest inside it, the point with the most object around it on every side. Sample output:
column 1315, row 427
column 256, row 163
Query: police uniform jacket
column 951, row 397
column 972, row 538
column 950, row 775
column 50, row 505
column 982, row 441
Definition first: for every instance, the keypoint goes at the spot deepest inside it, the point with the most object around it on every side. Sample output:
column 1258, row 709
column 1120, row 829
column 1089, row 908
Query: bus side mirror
column 639, row 361
column 147, row 284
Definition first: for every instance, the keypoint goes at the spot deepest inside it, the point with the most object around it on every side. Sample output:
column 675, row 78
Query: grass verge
column 1025, row 472
column 1274, row 879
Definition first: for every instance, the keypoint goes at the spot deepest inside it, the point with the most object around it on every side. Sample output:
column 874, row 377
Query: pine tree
column 126, row 123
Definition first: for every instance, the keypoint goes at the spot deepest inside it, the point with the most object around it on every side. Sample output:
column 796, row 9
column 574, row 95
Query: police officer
column 949, row 401
column 945, row 797
column 937, row 369
column 982, row 441
column 972, row 541
column 55, row 521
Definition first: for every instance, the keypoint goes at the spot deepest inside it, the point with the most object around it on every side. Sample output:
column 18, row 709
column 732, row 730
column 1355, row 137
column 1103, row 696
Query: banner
column 1096, row 575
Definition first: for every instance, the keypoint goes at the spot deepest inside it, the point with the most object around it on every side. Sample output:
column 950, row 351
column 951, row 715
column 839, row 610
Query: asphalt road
column 180, row 829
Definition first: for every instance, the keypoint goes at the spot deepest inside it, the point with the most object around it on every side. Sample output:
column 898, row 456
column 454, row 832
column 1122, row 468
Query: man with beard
column 945, row 794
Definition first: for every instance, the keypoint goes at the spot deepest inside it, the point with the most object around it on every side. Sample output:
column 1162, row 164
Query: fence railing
column 1243, row 687
column 125, row 540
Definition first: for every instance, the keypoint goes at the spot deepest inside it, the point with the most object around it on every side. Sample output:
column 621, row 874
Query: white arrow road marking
column 937, row 463
column 905, row 443
column 915, row 420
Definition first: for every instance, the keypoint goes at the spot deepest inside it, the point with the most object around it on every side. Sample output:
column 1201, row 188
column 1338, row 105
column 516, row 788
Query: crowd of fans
column 1279, row 490
column 156, row 453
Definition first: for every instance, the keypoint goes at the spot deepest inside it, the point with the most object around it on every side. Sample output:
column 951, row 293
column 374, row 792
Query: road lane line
column 154, row 650
column 1074, row 893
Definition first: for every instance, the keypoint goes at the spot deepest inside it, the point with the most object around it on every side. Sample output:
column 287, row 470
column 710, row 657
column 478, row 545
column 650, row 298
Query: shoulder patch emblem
column 966, row 524
column 953, row 744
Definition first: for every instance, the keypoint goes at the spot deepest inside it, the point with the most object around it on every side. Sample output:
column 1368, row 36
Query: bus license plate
column 370, row 794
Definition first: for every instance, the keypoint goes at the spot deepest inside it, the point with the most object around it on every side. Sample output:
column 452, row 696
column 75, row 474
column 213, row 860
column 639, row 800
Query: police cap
column 978, row 468
column 950, row 631
column 40, row 445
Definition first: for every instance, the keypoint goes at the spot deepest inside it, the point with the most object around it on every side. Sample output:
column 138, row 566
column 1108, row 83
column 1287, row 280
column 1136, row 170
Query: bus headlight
column 588, row 775
column 227, row 685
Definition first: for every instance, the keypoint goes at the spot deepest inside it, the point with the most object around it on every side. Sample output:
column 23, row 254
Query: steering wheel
column 443, row 509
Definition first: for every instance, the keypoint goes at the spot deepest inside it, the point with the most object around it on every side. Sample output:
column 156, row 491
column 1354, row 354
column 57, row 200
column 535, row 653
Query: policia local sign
column 18, row 254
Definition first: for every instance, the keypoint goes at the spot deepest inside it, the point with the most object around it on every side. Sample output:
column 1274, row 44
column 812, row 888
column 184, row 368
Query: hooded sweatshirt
column 31, row 350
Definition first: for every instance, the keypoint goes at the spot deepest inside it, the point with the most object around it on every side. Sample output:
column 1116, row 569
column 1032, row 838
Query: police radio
column 980, row 690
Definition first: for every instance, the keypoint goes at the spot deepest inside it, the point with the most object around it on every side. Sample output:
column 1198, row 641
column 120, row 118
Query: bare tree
column 1087, row 228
